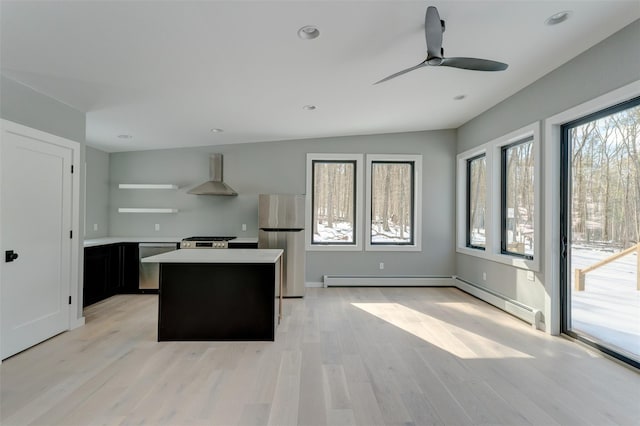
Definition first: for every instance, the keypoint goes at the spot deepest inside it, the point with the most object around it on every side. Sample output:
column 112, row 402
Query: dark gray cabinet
column 233, row 245
column 127, row 268
column 109, row 269
column 97, row 274
column 113, row 269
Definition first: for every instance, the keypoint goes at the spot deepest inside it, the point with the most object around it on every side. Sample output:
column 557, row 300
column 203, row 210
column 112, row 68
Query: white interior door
column 35, row 221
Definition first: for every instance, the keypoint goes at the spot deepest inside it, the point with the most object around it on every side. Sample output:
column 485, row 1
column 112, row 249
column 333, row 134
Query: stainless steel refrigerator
column 281, row 225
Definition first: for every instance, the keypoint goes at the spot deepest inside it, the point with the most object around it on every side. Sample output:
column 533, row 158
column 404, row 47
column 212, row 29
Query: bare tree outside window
column 601, row 223
column 333, row 205
column 518, row 198
column 477, row 201
column 392, row 203
column 605, row 165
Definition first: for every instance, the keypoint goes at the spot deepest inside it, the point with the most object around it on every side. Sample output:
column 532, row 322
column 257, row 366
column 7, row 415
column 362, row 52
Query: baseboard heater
column 515, row 308
column 377, row 281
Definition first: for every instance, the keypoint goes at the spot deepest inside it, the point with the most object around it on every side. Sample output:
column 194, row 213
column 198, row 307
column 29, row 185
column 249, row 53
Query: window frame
column 503, row 198
column 357, row 159
column 552, row 198
column 468, row 201
column 416, row 160
column 493, row 227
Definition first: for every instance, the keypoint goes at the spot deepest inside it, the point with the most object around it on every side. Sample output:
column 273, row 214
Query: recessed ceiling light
column 308, row 32
column 557, row 18
column 123, row 136
column 216, row 130
column 309, row 107
column 459, row 97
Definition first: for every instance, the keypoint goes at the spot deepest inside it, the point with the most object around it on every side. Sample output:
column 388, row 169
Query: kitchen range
column 206, row 242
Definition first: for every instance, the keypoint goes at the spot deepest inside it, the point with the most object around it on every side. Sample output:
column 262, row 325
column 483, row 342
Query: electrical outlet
column 381, row 265
column 95, row 226
column 244, row 226
column 484, row 276
column 530, row 276
column 157, row 226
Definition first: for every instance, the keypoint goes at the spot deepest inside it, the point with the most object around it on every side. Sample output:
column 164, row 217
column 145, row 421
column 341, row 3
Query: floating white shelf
column 145, row 210
column 147, row 186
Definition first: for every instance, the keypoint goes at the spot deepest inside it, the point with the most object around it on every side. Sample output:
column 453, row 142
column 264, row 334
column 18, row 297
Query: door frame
column 565, row 231
column 75, row 289
column 552, row 201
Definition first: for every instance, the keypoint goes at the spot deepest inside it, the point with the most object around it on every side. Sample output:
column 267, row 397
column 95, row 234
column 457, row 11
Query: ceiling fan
column 433, row 29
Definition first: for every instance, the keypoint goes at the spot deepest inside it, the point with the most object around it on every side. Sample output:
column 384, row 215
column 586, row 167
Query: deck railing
column 580, row 273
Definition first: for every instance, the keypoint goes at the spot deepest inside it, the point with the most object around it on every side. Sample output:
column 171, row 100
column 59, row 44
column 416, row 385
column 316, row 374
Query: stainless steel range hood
column 215, row 185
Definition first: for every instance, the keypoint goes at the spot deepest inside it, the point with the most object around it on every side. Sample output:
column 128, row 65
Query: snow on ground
column 342, row 232
column 609, row 307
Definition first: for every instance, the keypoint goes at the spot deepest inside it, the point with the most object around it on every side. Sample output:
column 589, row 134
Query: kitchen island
column 218, row 294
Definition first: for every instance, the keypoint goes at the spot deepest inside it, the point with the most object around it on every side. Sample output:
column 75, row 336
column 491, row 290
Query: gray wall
column 24, row 105
column 279, row 167
column 97, row 193
column 609, row 65
column 21, row 104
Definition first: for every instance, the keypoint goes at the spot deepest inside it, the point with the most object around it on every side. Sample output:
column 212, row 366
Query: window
column 393, row 191
column 334, row 202
column 476, row 202
column 517, row 198
column 391, row 203
column 498, row 213
column 333, row 183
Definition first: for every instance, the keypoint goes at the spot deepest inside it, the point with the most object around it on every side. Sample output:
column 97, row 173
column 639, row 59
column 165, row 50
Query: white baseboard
column 376, row 281
column 313, row 284
column 78, row 322
column 515, row 308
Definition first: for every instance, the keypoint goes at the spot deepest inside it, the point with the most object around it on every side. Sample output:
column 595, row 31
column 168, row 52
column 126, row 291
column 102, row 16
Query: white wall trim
column 513, row 307
column 390, row 281
column 417, row 202
column 314, row 284
column 526, row 313
column 358, row 215
column 492, row 150
column 551, row 152
column 79, row 322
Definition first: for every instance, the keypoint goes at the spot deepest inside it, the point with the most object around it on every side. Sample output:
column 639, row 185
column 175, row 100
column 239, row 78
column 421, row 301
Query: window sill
column 530, row 265
column 391, row 247
column 329, row 247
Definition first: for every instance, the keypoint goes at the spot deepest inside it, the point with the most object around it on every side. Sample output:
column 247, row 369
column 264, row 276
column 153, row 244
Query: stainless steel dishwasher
column 149, row 276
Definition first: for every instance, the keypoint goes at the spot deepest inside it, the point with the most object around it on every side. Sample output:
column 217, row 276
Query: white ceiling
column 166, row 72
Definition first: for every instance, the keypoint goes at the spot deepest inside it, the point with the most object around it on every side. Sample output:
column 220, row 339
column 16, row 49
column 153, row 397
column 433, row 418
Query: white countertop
column 244, row 240
column 216, row 256
column 115, row 240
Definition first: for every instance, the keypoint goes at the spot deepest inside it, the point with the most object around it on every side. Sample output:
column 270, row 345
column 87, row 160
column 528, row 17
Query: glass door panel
column 601, row 224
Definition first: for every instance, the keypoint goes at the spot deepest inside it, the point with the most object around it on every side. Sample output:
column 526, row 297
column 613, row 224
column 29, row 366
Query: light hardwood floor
column 367, row 356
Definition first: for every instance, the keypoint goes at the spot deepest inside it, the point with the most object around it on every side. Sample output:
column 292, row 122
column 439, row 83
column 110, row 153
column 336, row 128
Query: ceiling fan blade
column 474, row 64
column 433, row 32
column 420, row 65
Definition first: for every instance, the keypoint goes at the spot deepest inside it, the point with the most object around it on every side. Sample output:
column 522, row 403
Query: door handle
column 563, row 247
column 10, row 256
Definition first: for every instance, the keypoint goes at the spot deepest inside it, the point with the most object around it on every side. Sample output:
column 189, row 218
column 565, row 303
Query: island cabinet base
column 205, row 301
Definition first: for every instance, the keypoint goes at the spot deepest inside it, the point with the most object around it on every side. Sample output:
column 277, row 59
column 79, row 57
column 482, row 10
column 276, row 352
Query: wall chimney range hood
column 215, row 185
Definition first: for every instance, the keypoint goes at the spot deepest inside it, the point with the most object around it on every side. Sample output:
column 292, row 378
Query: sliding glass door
column 600, row 222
